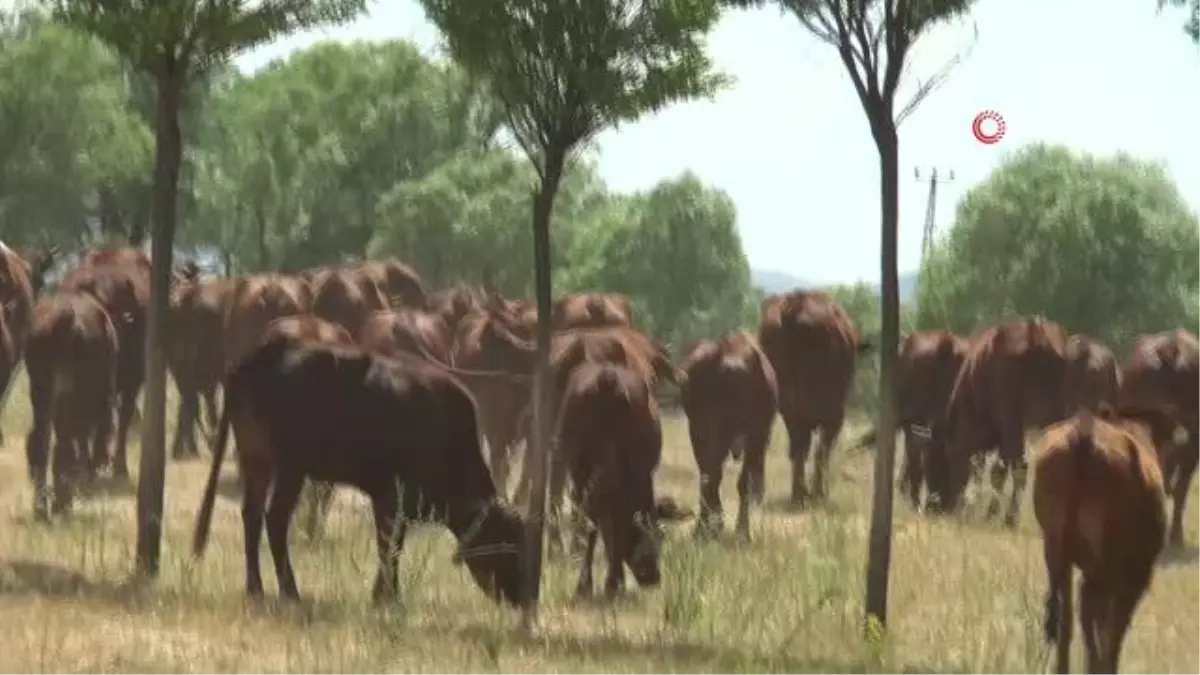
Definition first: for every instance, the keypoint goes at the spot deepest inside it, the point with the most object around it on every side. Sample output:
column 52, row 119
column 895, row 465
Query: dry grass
column 966, row 596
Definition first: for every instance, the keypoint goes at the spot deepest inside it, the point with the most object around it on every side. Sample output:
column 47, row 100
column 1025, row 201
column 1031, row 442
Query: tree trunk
column 152, row 466
column 539, row 450
column 880, row 542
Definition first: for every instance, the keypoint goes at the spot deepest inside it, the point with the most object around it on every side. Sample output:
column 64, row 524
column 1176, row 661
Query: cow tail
column 204, row 516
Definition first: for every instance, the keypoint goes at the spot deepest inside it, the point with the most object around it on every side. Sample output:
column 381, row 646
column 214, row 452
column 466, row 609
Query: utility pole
column 930, row 208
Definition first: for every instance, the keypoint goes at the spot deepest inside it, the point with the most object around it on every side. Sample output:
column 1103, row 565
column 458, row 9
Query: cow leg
column 185, row 424
column 286, row 492
column 554, row 500
column 64, row 464
column 125, row 410
column 585, row 587
column 390, row 529
column 1092, row 609
column 830, row 431
column 102, row 428
column 37, row 443
column 710, row 458
column 799, row 441
column 6, row 372
column 750, row 486
column 256, row 480
column 913, row 471
column 1185, row 467
column 616, row 545
column 1059, row 618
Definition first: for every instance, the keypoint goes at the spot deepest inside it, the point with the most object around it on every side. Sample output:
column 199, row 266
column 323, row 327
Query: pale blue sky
column 790, row 144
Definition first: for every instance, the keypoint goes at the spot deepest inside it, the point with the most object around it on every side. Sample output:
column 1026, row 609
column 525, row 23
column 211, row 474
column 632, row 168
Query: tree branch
column 935, row 81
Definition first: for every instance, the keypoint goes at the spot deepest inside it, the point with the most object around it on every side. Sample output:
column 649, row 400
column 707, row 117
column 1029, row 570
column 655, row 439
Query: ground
column 966, row 596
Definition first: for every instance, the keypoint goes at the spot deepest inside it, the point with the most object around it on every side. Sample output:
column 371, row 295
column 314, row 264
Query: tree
column 873, row 38
column 175, row 42
column 1130, row 237
column 564, row 70
column 1192, row 27
column 684, row 226
column 68, row 130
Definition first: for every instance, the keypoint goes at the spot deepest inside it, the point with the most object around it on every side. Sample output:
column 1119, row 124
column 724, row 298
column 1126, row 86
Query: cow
column 610, row 439
column 400, row 429
column 1098, row 498
column 119, row 256
column 1011, row 380
column 8, row 361
column 409, row 330
column 122, row 286
column 196, row 352
column 21, row 275
column 926, row 367
column 347, row 298
column 813, row 346
column 456, row 302
column 1161, row 373
column 1093, row 376
column 399, row 283
column 257, row 300
column 730, row 398
column 591, row 310
column 71, row 356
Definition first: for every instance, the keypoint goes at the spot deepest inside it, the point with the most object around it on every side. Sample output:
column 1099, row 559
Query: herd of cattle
column 357, row 375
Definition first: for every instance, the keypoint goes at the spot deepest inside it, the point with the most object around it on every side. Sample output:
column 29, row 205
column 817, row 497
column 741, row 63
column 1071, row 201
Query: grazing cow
column 123, row 289
column 1098, row 497
column 72, row 359
column 610, row 438
column 1093, row 376
column 1162, row 374
column 813, row 346
column 400, row 284
column 1011, row 379
column 591, row 310
column 400, row 429
column 259, row 299
column 408, row 330
column 196, row 353
column 926, row 367
column 730, row 399
column 347, row 298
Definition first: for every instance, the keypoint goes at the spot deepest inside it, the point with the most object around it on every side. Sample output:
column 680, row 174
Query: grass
column 966, row 596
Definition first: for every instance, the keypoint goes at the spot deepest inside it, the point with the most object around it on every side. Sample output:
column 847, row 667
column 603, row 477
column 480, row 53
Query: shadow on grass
column 677, row 656
column 108, row 486
column 21, row 577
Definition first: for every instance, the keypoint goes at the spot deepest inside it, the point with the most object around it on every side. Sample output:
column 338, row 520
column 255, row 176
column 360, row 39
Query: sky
column 789, row 142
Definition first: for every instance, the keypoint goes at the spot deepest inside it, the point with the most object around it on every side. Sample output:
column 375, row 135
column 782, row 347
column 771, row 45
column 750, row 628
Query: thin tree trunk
column 539, row 451
column 152, row 465
column 880, row 542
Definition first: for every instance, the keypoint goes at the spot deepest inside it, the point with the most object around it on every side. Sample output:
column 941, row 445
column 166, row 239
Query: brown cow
column 456, row 302
column 196, row 353
column 591, row 310
column 813, row 345
column 1162, row 374
column 123, row 290
column 1093, row 376
column 400, row 284
column 1011, row 379
column 730, row 399
column 1098, row 497
column 926, row 367
column 259, row 299
column 21, row 276
column 409, row 330
column 71, row 356
column 400, row 429
column 346, row 297
column 117, row 255
column 610, row 438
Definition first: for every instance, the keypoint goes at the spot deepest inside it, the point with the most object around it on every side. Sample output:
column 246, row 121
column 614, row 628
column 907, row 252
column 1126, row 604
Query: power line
column 930, row 207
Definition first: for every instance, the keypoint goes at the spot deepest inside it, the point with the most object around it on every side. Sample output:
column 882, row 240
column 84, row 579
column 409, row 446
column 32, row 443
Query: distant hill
column 774, row 281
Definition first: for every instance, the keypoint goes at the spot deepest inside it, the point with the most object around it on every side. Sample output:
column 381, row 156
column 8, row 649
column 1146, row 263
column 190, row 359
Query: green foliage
column 1192, row 27
column 566, row 69
column 1104, row 245
column 68, row 126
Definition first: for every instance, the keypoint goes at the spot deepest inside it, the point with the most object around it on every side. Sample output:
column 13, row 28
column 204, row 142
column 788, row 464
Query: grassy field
column 966, row 595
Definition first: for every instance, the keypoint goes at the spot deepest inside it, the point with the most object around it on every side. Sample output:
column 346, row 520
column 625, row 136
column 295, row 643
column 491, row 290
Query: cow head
column 493, row 552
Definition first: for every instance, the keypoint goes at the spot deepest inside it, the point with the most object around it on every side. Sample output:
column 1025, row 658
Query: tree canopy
column 1104, row 245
